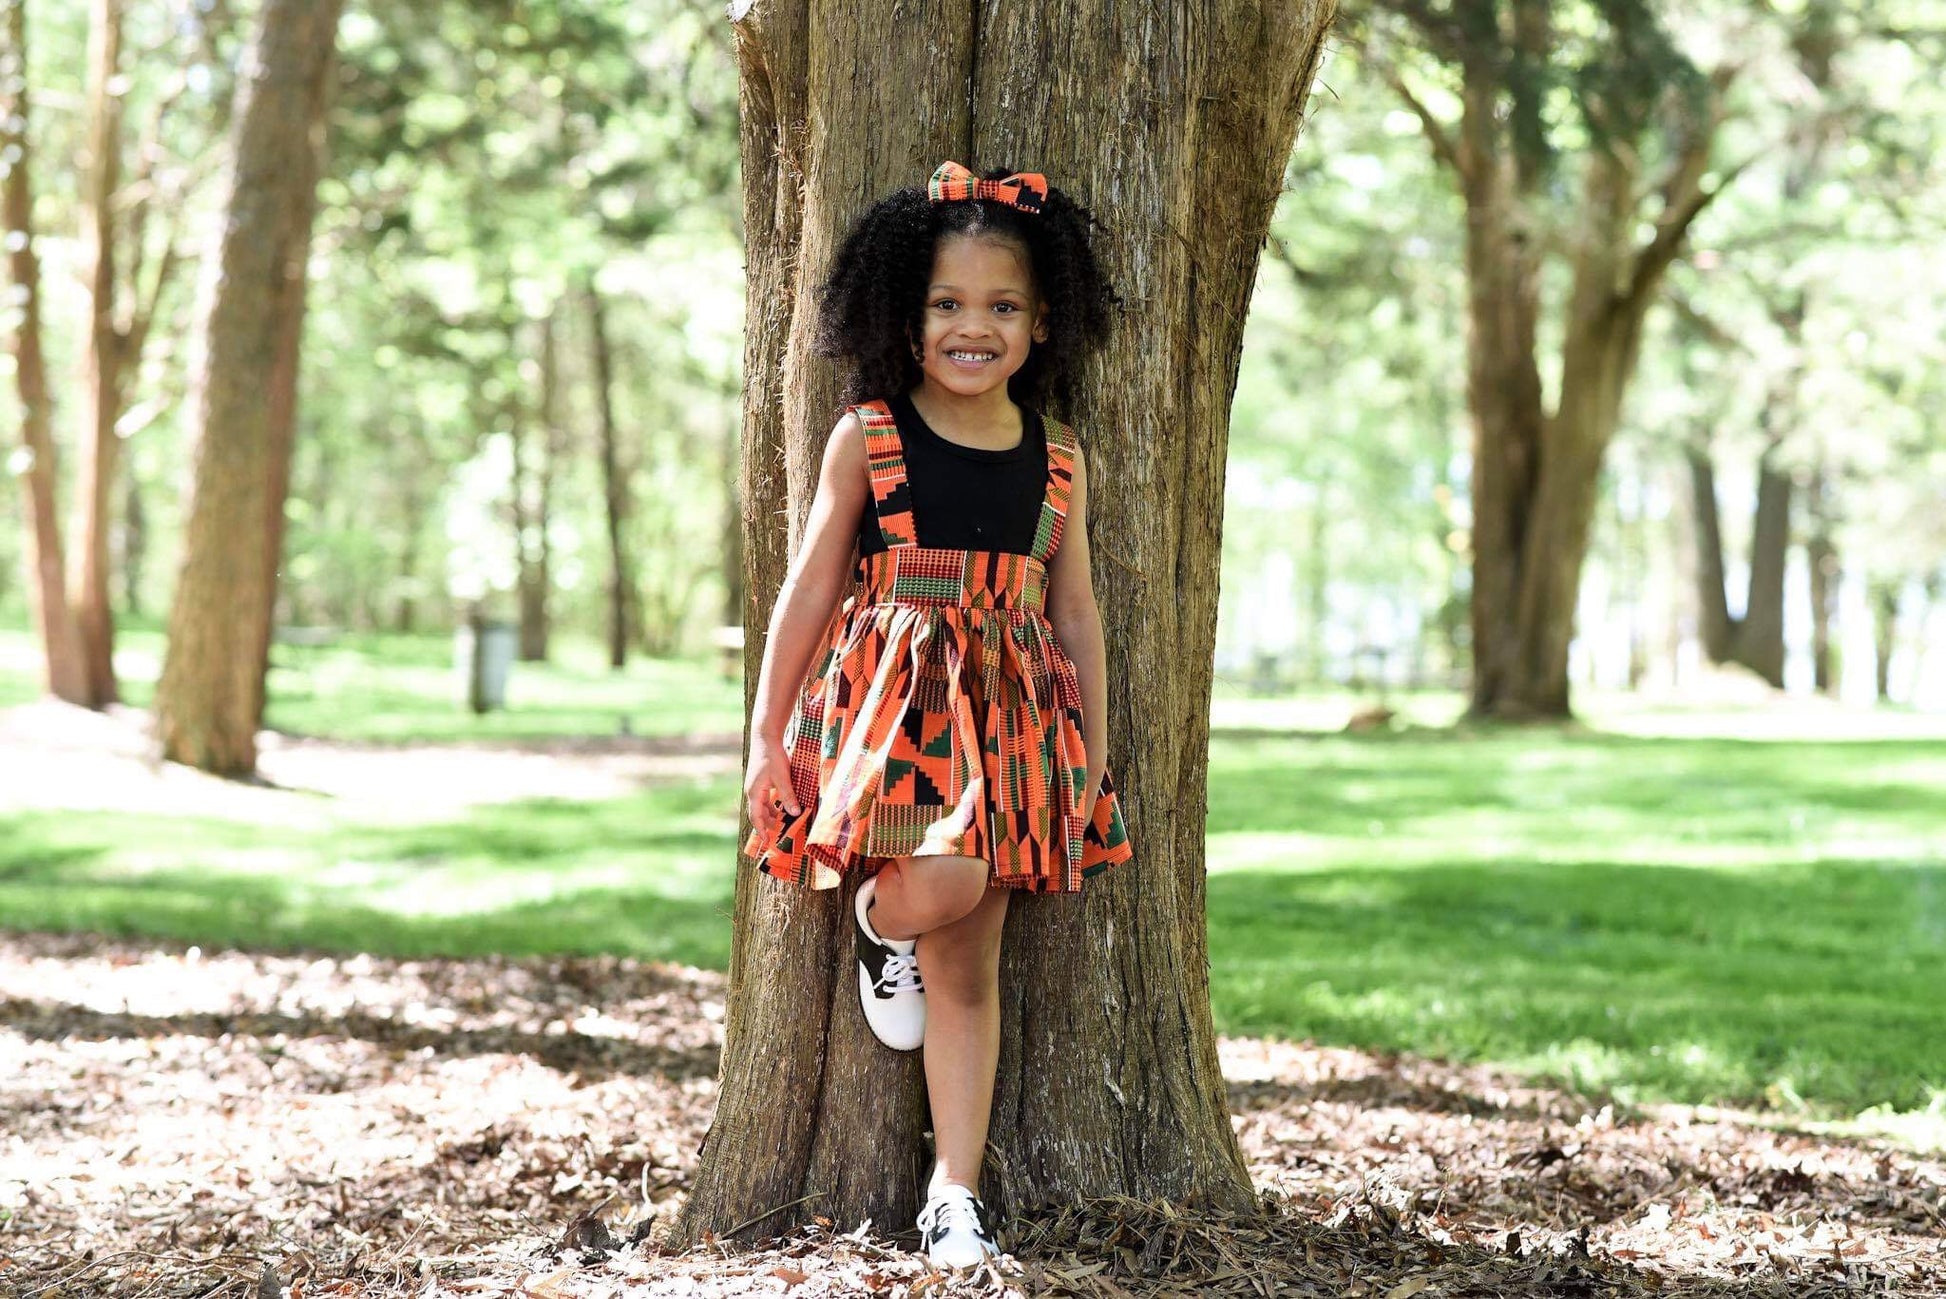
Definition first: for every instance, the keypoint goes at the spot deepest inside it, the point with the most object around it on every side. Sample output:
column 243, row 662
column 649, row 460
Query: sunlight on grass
column 1661, row 914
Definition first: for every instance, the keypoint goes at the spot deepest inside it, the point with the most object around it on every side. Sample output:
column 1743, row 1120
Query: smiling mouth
column 966, row 358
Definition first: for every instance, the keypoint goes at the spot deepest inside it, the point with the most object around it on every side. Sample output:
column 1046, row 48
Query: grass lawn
column 1705, row 919
column 363, row 686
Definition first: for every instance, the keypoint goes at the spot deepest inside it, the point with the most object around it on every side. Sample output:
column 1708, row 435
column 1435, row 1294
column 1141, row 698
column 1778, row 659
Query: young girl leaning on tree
column 947, row 742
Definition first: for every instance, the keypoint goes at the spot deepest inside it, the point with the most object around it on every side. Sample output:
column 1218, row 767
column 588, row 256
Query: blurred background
column 517, row 436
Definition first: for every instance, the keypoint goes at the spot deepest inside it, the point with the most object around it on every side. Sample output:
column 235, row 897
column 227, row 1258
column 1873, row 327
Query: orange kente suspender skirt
column 943, row 715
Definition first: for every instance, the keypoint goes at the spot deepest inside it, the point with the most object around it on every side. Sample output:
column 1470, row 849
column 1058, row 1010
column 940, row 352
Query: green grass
column 1704, row 919
column 367, row 686
column 645, row 876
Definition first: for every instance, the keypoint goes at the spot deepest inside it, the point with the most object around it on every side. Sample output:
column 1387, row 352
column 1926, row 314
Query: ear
column 1040, row 323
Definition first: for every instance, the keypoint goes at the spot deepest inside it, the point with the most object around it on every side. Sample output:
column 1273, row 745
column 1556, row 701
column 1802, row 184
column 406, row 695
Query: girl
column 949, row 743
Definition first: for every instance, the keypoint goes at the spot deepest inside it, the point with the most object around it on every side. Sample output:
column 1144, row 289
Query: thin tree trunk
column 536, row 552
column 1108, row 1079
column 614, row 484
column 243, row 395
column 1760, row 632
column 103, row 357
column 60, row 636
column 135, row 544
column 1884, row 598
column 1821, row 558
column 1717, row 628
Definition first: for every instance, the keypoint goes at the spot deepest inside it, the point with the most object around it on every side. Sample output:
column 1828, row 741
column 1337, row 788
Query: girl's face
column 981, row 315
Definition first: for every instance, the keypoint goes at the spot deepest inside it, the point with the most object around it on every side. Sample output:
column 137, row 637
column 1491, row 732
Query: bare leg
column 960, row 963
column 915, row 894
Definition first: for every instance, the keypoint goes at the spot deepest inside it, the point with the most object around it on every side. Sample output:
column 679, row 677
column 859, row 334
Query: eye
column 946, row 304
column 1008, row 307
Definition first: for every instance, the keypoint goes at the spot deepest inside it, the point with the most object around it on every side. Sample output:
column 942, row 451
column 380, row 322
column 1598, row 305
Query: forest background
column 1715, row 883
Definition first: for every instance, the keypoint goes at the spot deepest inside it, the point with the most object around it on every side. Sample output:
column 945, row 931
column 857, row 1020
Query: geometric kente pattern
column 942, row 714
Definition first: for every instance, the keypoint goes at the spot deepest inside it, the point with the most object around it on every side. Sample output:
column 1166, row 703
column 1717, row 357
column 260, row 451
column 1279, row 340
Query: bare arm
column 817, row 577
column 1076, row 619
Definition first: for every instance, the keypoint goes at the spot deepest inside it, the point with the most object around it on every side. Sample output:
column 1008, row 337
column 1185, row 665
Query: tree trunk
column 1821, row 558
column 730, row 549
column 536, row 552
column 65, row 676
column 1536, row 473
column 135, row 544
column 1756, row 639
column 614, row 484
column 103, row 357
column 1884, row 597
column 243, row 395
column 1760, row 632
column 1108, row 1080
column 1717, row 628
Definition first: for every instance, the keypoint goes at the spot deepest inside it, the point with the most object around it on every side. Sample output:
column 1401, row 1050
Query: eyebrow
column 954, row 288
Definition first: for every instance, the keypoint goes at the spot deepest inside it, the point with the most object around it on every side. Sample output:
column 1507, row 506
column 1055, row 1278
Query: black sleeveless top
column 966, row 498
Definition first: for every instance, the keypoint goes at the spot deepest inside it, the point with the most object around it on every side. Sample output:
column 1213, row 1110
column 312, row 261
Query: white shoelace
column 952, row 1211
column 901, row 973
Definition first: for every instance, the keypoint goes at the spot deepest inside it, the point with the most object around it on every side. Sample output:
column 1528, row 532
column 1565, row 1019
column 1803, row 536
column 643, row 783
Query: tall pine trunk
column 243, row 395
column 66, row 674
column 1174, row 128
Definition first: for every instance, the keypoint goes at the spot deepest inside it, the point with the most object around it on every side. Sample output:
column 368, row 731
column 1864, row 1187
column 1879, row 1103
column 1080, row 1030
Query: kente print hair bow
column 1026, row 190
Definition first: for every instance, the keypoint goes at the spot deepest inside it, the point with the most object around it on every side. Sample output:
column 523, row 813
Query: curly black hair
column 872, row 303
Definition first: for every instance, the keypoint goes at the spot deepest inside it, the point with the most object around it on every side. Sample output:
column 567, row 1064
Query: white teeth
column 971, row 356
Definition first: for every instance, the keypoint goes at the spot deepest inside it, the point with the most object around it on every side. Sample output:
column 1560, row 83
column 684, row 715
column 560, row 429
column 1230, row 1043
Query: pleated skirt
column 943, row 716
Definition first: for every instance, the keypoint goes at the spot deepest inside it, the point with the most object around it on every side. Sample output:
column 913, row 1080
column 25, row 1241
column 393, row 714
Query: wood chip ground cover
column 175, row 1123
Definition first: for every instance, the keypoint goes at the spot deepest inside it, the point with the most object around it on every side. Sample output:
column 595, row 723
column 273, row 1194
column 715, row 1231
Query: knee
column 941, row 892
column 961, row 969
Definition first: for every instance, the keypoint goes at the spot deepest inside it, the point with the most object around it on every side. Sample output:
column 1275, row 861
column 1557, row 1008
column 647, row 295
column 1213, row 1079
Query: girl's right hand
column 768, row 784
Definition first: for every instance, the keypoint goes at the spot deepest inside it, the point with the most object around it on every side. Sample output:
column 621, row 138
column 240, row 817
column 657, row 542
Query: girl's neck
column 990, row 416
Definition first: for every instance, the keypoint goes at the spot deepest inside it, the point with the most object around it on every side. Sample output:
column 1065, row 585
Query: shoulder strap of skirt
column 885, row 457
column 1060, row 488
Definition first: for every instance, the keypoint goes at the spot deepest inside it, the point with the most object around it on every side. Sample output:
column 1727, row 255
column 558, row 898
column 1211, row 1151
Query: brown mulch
column 181, row 1123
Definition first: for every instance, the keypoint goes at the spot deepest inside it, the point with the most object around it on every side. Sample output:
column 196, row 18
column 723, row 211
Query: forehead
column 975, row 262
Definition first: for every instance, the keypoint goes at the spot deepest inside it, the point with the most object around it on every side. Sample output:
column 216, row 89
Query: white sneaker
column 888, row 980
column 953, row 1228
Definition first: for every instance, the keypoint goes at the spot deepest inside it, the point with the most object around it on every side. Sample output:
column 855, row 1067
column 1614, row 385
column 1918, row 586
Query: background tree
column 66, row 675
column 1518, row 100
column 1108, row 1079
column 210, row 698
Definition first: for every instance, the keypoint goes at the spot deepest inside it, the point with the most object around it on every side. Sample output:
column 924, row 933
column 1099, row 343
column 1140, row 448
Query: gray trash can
column 483, row 652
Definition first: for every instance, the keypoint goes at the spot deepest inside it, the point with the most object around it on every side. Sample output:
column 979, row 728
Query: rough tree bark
column 243, row 394
column 66, row 675
column 1174, row 125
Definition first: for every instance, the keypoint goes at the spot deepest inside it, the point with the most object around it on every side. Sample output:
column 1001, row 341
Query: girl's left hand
column 1094, row 789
